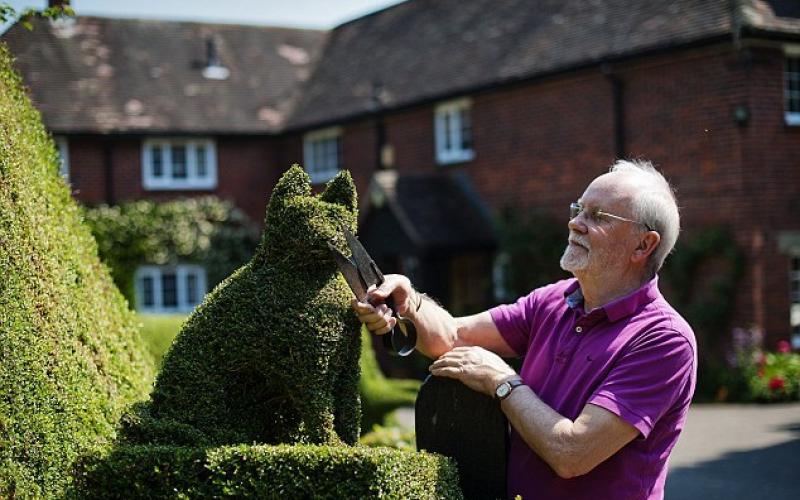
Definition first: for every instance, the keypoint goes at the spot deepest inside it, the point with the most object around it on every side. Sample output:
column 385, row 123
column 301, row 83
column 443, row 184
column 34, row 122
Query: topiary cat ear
column 341, row 190
column 294, row 182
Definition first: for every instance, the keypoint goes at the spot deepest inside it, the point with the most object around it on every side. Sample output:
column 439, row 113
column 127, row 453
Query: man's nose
column 576, row 224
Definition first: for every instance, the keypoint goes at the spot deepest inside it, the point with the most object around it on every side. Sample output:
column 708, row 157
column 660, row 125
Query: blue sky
column 321, row 14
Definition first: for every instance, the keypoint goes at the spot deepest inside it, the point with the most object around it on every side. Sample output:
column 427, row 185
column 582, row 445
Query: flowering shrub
column 776, row 375
column 767, row 376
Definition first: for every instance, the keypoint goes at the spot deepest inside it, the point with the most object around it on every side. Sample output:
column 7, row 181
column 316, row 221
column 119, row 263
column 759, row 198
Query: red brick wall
column 245, row 172
column 537, row 146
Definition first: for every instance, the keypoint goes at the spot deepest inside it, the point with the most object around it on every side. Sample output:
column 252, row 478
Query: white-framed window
column 794, row 300
column 169, row 289
column 322, row 153
column 791, row 85
column 453, row 130
column 63, row 154
column 179, row 164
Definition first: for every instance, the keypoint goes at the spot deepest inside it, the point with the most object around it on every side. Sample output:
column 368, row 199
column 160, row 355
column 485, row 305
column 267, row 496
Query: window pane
column 792, row 84
column 466, row 130
column 169, row 290
column 330, row 154
column 192, row 293
column 157, row 161
column 179, row 162
column 147, row 291
column 446, row 120
column 200, row 157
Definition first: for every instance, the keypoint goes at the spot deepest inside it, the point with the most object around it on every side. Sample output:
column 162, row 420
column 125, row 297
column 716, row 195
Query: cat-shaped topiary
column 271, row 356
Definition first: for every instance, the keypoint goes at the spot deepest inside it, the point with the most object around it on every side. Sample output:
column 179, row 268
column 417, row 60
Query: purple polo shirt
column 635, row 357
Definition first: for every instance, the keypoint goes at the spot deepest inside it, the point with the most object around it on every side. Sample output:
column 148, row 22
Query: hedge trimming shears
column 361, row 272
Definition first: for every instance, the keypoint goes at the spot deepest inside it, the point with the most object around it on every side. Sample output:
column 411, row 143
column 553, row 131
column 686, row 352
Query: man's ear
column 647, row 245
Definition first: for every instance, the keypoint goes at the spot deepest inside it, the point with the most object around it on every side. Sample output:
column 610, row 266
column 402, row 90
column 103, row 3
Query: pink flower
column 777, row 383
column 784, row 346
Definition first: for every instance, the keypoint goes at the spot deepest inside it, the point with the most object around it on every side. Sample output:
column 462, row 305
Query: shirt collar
column 619, row 308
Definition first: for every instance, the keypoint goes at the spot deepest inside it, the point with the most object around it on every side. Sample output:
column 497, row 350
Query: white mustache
column 579, row 241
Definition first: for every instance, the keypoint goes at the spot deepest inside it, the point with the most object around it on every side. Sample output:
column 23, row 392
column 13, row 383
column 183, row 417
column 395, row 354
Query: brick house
column 514, row 104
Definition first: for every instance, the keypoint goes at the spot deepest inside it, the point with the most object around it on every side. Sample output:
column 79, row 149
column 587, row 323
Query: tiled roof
column 123, row 75
column 95, row 74
column 436, row 211
column 426, row 49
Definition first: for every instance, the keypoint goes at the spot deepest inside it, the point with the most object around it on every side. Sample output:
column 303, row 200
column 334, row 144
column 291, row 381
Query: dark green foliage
column 204, row 231
column 530, row 248
column 700, row 280
column 271, row 356
column 279, row 472
column 70, row 359
column 380, row 395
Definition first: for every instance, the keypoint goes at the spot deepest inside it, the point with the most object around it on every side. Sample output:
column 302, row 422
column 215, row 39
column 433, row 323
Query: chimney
column 214, row 70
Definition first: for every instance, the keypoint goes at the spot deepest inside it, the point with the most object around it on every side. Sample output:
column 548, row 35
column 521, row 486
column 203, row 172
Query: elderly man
column 609, row 366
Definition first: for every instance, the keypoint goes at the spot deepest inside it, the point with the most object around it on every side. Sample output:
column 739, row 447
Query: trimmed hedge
column 70, row 359
column 271, row 355
column 204, row 231
column 253, row 471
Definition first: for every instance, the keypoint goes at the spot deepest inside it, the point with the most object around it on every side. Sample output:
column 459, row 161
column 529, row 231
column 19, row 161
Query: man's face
column 599, row 245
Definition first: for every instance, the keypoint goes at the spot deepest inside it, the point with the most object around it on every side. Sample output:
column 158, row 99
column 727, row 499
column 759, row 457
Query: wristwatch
column 504, row 390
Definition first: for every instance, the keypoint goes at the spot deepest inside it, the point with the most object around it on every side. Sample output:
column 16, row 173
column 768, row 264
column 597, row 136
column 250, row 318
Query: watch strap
column 512, row 384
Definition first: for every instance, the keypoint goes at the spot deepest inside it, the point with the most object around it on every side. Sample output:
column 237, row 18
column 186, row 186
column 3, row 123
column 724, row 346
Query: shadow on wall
column 763, row 473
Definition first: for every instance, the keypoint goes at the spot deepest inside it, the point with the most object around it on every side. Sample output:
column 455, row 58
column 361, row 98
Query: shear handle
column 402, row 339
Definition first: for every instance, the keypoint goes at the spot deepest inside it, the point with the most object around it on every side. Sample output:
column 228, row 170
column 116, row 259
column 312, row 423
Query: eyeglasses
column 596, row 215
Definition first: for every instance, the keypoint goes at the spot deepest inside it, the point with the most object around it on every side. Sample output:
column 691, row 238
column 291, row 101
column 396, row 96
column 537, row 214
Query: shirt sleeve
column 515, row 321
column 648, row 379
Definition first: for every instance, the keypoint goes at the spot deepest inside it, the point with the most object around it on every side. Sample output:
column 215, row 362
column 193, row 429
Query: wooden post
column 456, row 421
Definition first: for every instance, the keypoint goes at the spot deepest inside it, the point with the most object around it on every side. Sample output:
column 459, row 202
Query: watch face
column 503, row 390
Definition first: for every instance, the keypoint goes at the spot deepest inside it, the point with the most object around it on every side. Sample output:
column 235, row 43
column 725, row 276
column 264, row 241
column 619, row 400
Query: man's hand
column 378, row 319
column 477, row 368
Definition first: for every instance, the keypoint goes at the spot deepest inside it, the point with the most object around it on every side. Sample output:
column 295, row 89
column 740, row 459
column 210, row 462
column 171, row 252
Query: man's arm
column 571, row 448
column 437, row 330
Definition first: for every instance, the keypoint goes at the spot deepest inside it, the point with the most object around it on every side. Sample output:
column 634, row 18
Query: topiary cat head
column 299, row 225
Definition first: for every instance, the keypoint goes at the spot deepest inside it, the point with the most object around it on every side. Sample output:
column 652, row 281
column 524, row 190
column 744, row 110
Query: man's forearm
column 571, row 448
column 437, row 330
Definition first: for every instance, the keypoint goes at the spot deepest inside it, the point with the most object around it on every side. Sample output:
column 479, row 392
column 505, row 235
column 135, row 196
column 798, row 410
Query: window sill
column 184, row 186
column 455, row 158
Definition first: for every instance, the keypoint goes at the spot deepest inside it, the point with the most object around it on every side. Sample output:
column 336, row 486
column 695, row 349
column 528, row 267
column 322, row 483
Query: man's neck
column 598, row 291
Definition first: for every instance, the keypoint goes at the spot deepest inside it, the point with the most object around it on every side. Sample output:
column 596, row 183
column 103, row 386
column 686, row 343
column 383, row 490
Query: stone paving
column 737, row 452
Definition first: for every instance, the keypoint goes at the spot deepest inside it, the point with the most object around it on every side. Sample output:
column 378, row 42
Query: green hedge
column 262, row 471
column 379, row 395
column 70, row 359
column 204, row 231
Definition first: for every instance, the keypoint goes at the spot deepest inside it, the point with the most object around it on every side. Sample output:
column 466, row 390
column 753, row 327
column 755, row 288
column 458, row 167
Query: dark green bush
column 70, row 359
column 271, row 355
column 204, row 231
column 379, row 395
column 279, row 472
column 531, row 246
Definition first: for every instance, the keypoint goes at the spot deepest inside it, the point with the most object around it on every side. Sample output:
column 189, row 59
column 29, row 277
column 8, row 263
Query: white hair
column 655, row 206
